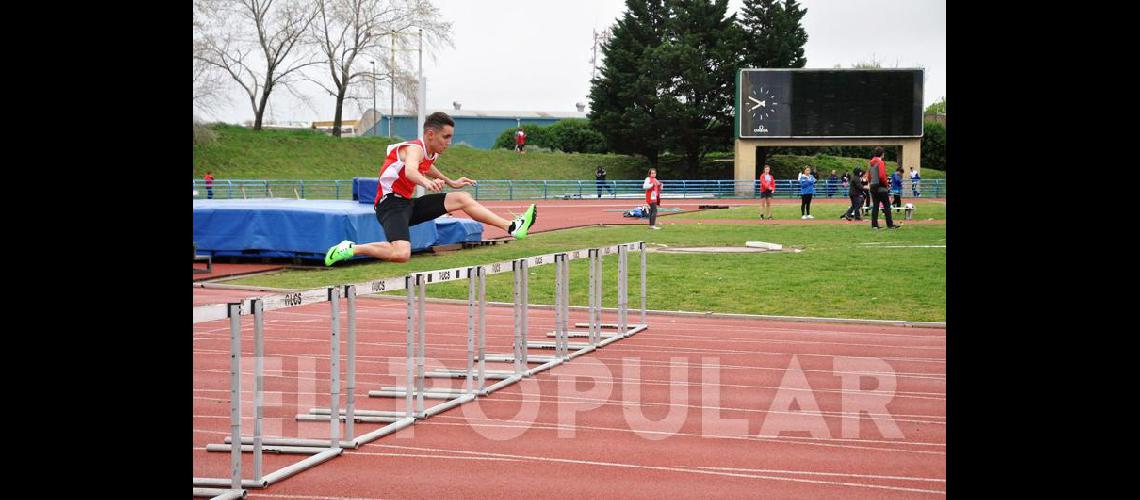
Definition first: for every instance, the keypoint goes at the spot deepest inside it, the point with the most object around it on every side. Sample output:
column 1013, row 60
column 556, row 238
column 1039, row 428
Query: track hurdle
column 236, row 444
column 414, row 392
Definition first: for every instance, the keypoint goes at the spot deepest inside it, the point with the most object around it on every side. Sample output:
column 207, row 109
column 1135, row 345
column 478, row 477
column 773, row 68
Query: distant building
column 478, row 129
column 348, row 128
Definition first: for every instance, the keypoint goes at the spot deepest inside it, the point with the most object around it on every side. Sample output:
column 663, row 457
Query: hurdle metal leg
column 471, row 279
column 641, row 246
column 259, row 382
column 334, row 368
column 516, row 268
column 409, row 283
column 482, row 272
column 234, row 310
column 350, row 389
column 421, row 292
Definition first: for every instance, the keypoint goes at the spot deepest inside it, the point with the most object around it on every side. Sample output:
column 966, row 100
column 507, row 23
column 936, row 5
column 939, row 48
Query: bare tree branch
column 348, row 30
column 256, row 43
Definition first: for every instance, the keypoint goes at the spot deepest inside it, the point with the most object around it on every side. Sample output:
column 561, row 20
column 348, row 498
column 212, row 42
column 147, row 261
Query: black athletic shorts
column 765, row 194
column 397, row 214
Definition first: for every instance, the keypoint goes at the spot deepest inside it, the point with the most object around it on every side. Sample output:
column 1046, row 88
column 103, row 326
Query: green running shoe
column 340, row 251
column 522, row 223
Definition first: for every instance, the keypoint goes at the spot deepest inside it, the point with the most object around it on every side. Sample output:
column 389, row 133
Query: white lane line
column 782, row 439
column 673, row 469
column 838, row 474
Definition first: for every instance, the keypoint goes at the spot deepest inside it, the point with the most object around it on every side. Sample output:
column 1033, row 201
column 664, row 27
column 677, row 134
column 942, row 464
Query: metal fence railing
column 228, row 189
column 497, row 189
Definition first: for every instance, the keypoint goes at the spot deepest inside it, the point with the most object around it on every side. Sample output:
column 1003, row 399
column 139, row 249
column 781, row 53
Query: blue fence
column 542, row 189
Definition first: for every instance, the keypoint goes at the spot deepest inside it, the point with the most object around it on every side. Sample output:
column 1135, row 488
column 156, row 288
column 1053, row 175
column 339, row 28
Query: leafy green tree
column 625, row 98
column 773, row 34
column 938, row 106
column 934, row 146
column 697, row 65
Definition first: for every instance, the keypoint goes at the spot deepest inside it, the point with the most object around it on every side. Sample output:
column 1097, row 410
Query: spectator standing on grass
column 600, row 180
column 879, row 189
column 855, row 192
column 652, row 188
column 767, row 189
column 865, row 181
column 520, row 141
column 832, row 181
column 896, row 187
column 845, row 182
column 807, row 190
column 209, row 185
column 914, row 178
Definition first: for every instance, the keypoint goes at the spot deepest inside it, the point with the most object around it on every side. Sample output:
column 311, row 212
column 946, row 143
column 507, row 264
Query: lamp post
column 375, row 122
column 392, row 86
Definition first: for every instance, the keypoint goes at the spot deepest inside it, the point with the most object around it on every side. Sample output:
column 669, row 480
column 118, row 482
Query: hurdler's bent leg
column 459, row 200
column 396, row 251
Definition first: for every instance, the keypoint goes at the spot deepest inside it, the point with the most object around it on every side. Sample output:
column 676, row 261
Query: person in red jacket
column 767, row 188
column 209, row 185
column 880, row 189
column 652, row 188
column 520, row 141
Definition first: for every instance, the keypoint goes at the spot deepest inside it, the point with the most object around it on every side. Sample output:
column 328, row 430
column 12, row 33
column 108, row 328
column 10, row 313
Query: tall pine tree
column 697, row 63
column 773, row 35
column 624, row 99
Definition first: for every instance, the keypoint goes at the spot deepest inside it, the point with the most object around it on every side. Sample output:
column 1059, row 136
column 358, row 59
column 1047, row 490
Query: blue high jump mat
column 305, row 229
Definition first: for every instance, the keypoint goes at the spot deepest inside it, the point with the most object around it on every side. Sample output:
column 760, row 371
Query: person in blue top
column 896, row 187
column 832, row 181
column 807, row 190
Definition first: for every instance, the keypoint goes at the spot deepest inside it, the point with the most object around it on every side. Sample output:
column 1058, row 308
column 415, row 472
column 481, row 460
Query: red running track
column 562, row 214
column 637, row 418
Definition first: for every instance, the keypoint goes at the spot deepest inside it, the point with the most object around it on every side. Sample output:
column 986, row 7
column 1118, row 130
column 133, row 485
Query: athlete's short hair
column 437, row 120
column 878, row 151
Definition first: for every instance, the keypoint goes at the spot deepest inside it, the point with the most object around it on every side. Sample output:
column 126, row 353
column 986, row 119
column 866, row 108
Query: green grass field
column 844, row 271
column 923, row 210
column 241, row 153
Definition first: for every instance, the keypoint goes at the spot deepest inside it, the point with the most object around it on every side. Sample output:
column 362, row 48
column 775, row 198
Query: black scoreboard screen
column 837, row 103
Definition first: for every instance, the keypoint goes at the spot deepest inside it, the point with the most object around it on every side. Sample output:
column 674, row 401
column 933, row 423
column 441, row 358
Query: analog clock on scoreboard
column 839, row 103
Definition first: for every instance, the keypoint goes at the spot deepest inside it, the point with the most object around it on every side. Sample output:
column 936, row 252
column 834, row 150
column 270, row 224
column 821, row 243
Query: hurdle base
column 551, row 345
column 361, row 413
column 487, row 374
column 275, row 476
column 368, row 419
column 297, row 442
column 579, row 334
column 276, row 449
column 219, row 494
column 543, row 367
column 499, row 385
column 403, row 393
column 383, row 431
column 442, row 407
column 510, row 358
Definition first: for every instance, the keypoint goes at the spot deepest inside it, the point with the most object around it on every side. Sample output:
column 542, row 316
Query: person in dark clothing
column 855, row 192
column 600, row 179
column 879, row 184
column 865, row 182
column 832, row 181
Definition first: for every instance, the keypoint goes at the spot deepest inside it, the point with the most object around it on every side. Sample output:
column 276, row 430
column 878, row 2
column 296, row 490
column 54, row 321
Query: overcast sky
column 513, row 55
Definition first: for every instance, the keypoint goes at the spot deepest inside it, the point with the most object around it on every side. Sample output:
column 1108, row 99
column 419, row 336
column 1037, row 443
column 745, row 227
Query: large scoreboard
column 835, row 103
